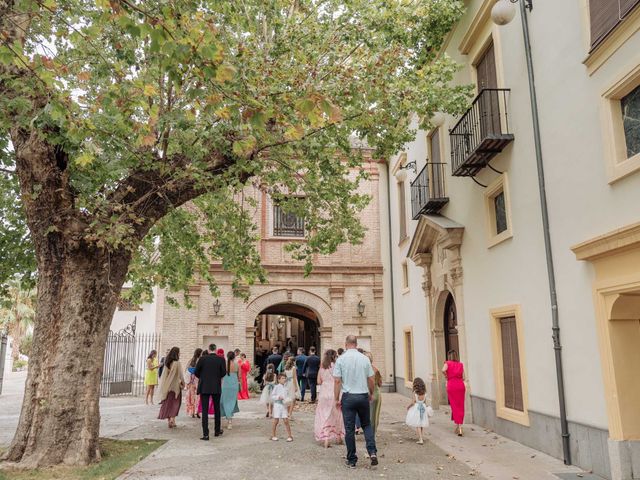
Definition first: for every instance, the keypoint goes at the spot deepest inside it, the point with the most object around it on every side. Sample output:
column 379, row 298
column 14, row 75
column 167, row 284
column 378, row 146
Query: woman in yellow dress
column 151, row 376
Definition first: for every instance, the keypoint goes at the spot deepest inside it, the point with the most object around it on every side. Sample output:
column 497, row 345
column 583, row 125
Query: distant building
column 343, row 295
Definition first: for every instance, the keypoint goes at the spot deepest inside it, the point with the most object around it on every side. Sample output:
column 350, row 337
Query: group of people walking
column 213, row 383
column 348, row 400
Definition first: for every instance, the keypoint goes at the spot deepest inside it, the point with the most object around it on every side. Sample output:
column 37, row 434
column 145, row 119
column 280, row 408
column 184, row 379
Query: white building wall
column 582, row 205
column 145, row 318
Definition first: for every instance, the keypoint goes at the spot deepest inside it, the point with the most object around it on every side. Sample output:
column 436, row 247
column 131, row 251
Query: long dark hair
column 230, row 357
column 270, row 374
column 328, row 358
column 419, row 387
column 152, row 354
column 196, row 356
column 172, row 356
column 453, row 355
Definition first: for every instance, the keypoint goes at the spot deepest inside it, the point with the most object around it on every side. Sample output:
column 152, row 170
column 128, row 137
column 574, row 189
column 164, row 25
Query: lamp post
column 502, row 13
column 216, row 307
column 361, row 308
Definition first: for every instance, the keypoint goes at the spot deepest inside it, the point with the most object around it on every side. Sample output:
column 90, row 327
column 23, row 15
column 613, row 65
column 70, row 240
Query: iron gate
column 3, row 354
column 125, row 360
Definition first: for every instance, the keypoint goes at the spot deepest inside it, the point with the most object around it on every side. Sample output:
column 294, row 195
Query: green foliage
column 19, row 365
column 156, row 104
column 26, row 344
column 117, row 456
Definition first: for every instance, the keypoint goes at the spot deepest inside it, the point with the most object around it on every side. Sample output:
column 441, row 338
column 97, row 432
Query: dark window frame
column 286, row 224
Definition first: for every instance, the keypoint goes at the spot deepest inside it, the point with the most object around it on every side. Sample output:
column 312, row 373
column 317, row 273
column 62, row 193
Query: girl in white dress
column 292, row 385
column 418, row 412
column 268, row 383
column 278, row 396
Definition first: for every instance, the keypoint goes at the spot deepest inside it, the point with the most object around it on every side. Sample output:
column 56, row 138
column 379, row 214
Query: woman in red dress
column 454, row 371
column 244, row 367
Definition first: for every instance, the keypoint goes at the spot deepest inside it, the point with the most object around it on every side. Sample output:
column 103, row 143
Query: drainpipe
column 393, row 305
column 557, row 346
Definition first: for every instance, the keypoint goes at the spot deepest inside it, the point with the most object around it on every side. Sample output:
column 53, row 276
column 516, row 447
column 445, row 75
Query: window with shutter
column 436, row 170
column 511, row 364
column 605, row 15
column 408, row 355
column 402, row 211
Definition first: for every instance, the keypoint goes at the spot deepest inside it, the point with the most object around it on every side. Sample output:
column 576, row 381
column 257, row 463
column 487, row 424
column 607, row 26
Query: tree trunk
column 77, row 296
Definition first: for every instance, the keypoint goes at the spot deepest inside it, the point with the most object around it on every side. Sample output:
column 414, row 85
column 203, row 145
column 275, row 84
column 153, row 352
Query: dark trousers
column 352, row 405
column 312, row 383
column 205, row 412
column 302, row 381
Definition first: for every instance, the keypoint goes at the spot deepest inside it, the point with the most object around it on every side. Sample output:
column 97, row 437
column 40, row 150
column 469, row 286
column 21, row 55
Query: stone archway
column 293, row 302
column 436, row 248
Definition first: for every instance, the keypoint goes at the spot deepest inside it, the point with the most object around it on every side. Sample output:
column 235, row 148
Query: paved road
column 247, row 453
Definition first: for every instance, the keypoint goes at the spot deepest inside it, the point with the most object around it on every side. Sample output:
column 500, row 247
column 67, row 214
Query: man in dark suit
column 210, row 370
column 300, row 359
column 310, row 369
column 274, row 358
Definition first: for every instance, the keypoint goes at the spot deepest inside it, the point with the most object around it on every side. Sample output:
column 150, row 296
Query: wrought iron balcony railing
column 427, row 190
column 481, row 133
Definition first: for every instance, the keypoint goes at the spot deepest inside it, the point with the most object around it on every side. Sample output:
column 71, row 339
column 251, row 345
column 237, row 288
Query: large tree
column 115, row 113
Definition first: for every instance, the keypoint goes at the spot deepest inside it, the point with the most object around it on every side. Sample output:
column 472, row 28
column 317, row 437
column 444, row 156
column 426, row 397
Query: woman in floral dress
column 192, row 397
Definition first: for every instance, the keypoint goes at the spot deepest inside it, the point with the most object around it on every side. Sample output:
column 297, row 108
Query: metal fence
column 3, row 355
column 125, row 360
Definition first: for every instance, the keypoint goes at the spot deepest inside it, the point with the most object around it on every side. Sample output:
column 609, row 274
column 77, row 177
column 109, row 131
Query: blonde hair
column 291, row 362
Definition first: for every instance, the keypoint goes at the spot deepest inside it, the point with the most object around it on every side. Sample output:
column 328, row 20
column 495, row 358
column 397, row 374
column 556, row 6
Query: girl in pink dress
column 244, row 367
column 328, row 425
column 454, row 371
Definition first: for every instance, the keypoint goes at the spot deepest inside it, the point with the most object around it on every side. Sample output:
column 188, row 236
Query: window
column 498, row 211
column 286, row 224
column 402, row 211
column 508, row 360
column 408, row 356
column 630, row 106
column 436, row 169
column 511, row 364
column 621, row 125
column 405, row 277
column 606, row 15
column 489, row 106
column 126, row 305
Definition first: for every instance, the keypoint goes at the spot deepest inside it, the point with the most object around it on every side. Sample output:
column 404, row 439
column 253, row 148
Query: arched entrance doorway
column 285, row 325
column 450, row 326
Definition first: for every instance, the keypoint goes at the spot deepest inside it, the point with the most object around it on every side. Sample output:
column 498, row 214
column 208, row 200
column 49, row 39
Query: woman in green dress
column 230, row 389
column 376, row 402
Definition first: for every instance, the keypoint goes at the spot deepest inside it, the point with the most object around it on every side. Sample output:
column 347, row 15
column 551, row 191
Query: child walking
column 279, row 408
column 268, row 383
column 418, row 412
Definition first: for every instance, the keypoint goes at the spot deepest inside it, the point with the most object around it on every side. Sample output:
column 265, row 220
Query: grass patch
column 117, row 457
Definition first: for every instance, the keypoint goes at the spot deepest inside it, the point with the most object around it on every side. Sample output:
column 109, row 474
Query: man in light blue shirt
column 355, row 381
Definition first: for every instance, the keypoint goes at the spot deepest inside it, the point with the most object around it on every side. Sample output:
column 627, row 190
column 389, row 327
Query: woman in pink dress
column 244, row 367
column 453, row 369
column 328, row 424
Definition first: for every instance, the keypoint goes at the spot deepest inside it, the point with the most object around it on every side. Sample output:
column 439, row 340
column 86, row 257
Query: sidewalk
column 246, row 452
column 489, row 454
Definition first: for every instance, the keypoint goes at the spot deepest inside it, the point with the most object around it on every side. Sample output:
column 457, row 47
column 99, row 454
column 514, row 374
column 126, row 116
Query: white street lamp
column 503, row 12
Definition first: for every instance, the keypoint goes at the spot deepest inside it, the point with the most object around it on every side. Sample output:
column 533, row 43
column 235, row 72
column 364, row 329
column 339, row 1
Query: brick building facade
column 325, row 303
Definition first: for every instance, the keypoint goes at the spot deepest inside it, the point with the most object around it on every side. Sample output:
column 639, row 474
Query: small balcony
column 481, row 133
column 427, row 190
